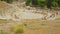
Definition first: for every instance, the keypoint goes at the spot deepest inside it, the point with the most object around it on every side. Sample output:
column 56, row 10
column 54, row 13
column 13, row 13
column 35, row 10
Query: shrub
column 18, row 29
column 54, row 4
column 58, row 1
column 28, row 2
column 8, row 1
column 41, row 3
column 49, row 3
column 34, row 2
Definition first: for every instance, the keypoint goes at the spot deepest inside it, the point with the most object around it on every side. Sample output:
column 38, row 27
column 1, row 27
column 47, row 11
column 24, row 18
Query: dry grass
column 42, row 26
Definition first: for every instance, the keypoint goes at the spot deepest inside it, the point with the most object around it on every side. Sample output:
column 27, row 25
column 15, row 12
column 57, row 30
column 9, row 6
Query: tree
column 54, row 3
column 41, row 3
column 9, row 1
column 49, row 3
column 58, row 1
column 34, row 2
column 28, row 2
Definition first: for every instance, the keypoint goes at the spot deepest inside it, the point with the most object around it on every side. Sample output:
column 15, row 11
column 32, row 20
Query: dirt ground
column 42, row 27
column 34, row 26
